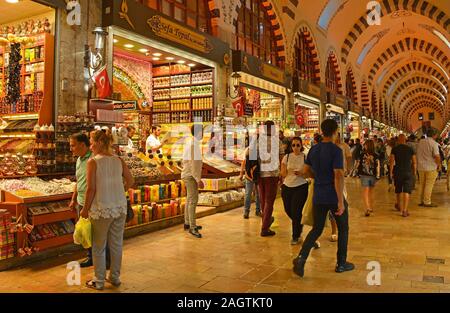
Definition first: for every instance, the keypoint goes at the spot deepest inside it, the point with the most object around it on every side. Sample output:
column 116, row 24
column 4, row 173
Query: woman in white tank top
column 106, row 206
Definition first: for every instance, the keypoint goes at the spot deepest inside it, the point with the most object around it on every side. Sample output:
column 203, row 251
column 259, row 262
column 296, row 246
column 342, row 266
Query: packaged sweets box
column 6, row 238
column 5, row 220
column 7, row 252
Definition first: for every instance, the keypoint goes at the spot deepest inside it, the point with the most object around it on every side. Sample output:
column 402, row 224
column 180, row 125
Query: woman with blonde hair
column 106, row 206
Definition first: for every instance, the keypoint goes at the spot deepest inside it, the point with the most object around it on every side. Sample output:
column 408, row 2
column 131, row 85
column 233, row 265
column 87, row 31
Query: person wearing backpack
column 294, row 190
column 249, row 172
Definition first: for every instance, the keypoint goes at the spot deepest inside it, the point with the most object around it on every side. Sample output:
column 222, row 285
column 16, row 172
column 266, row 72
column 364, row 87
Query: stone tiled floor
column 232, row 257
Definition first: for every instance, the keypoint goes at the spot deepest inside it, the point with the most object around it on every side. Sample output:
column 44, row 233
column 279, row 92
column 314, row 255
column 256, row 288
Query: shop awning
column 243, row 62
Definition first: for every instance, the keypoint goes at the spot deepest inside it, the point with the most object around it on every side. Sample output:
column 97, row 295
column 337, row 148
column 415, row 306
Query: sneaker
column 268, row 233
column 431, row 205
column 299, row 266
column 347, row 266
column 421, row 204
column 187, row 227
column 334, row 238
column 194, row 232
column 317, row 245
column 87, row 263
column 295, row 241
column 258, row 213
column 114, row 282
column 246, row 215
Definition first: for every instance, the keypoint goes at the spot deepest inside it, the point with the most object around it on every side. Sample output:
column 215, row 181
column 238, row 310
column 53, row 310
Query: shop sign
column 140, row 19
column 164, row 28
column 243, row 62
column 125, row 105
column 308, row 88
column 335, row 108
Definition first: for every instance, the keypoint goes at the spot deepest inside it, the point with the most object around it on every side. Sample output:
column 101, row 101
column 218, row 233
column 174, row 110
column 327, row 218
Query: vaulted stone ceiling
column 405, row 60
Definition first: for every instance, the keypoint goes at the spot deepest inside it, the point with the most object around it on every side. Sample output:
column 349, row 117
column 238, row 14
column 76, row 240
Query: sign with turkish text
column 125, row 105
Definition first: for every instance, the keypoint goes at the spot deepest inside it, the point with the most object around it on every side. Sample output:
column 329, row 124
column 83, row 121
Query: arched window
column 194, row 13
column 350, row 87
column 331, row 75
column 304, row 63
column 255, row 34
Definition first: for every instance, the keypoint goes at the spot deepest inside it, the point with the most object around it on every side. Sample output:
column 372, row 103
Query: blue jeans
column 250, row 186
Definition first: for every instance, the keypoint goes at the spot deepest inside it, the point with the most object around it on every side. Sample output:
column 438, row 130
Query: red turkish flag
column 102, row 83
column 238, row 105
column 299, row 118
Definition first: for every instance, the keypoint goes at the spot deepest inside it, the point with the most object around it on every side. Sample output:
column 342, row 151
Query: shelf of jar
column 34, row 61
column 25, row 115
column 183, row 85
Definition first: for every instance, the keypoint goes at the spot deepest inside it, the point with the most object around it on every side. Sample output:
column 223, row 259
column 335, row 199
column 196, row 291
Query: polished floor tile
column 413, row 255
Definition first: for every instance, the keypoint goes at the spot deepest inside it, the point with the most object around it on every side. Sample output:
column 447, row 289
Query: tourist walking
column 325, row 163
column 294, row 190
column 249, row 173
column 106, row 206
column 369, row 172
column 267, row 150
column 403, row 165
column 356, row 153
column 428, row 165
column 191, row 175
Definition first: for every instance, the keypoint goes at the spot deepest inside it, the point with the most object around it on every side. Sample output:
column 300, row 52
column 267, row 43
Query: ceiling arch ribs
column 412, row 91
column 420, row 7
column 408, row 69
column 407, row 45
column 414, row 80
column 412, row 94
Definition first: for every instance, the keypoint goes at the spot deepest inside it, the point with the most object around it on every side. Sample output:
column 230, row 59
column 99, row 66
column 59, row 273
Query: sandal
column 115, row 283
column 334, row 238
column 367, row 214
column 94, row 285
column 405, row 214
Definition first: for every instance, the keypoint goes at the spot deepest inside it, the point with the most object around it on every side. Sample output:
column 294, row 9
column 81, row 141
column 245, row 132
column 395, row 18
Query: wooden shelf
column 184, row 85
column 35, row 61
column 53, row 217
column 159, row 201
column 155, row 221
column 222, row 190
column 53, row 242
column 204, row 96
column 10, row 197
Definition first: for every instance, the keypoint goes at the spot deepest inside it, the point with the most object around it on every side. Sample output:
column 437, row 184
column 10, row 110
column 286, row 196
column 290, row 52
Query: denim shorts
column 368, row 181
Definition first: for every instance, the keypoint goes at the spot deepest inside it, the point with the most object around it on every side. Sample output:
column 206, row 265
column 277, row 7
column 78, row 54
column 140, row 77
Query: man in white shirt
column 192, row 177
column 429, row 163
column 130, row 147
column 153, row 144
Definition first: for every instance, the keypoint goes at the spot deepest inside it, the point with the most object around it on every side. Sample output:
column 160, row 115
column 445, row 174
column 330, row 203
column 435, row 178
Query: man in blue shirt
column 325, row 163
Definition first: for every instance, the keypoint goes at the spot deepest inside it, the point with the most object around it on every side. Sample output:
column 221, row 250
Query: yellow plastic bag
column 83, row 233
column 307, row 213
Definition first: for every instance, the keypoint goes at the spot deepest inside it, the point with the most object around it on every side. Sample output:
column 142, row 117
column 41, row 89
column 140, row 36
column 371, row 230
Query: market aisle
column 232, row 257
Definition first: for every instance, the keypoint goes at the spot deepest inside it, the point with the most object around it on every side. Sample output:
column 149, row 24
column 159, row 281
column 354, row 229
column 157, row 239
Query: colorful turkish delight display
column 36, row 187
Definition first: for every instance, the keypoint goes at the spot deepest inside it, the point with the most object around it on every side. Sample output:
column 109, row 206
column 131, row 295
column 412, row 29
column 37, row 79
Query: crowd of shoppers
column 103, row 178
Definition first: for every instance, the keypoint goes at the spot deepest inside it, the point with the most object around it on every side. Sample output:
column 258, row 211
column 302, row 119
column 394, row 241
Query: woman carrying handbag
column 294, row 189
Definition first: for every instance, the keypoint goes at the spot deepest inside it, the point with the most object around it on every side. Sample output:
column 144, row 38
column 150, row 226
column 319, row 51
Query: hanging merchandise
column 13, row 92
column 300, row 116
column 256, row 100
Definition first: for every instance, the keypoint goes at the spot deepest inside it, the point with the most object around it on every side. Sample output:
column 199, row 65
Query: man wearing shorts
column 403, row 165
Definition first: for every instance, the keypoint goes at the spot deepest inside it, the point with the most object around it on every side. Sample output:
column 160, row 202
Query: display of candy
column 204, row 77
column 52, row 187
column 52, row 230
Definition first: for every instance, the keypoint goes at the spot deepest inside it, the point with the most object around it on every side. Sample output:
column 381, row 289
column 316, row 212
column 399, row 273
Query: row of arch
column 383, row 101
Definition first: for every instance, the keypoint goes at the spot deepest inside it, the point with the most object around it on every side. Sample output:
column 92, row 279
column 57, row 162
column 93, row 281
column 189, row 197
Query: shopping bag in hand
column 307, row 213
column 308, row 218
column 83, row 233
